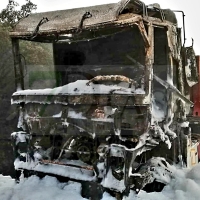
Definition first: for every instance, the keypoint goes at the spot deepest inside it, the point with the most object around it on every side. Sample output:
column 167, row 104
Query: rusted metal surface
column 143, row 33
column 112, row 78
column 128, row 18
column 173, row 41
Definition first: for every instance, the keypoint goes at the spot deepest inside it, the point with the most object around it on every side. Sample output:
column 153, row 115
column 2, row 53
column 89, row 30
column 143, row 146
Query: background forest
column 33, row 54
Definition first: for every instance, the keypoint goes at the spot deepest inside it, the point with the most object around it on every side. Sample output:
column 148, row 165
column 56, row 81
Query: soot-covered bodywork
column 120, row 75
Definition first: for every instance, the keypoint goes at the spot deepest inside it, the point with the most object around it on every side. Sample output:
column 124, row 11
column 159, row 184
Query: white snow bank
column 6, row 187
column 185, row 185
column 194, row 173
column 47, row 188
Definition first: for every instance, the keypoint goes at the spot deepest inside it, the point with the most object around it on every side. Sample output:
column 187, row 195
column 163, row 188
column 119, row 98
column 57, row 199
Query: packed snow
column 185, row 185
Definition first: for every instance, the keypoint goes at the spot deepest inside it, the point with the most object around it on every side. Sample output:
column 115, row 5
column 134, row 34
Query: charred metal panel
column 115, row 99
column 191, row 71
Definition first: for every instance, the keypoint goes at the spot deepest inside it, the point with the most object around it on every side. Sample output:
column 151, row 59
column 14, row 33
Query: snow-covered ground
column 185, row 185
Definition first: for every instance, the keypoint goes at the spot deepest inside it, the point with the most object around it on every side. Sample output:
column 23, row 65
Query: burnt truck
column 118, row 111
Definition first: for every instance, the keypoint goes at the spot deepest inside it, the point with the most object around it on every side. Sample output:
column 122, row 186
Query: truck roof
column 65, row 20
column 47, row 26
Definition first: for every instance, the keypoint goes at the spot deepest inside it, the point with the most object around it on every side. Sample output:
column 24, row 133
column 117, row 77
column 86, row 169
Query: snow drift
column 185, row 185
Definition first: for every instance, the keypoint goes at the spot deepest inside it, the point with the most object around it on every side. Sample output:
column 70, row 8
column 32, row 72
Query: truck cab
column 119, row 92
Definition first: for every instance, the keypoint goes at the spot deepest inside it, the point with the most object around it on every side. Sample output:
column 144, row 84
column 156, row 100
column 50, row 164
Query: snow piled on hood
column 82, row 87
column 185, row 185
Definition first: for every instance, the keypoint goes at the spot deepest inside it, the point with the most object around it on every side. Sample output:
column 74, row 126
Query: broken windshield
column 105, row 56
